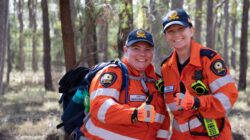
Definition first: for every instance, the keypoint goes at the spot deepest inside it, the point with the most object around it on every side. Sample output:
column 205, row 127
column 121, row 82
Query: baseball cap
column 139, row 35
column 177, row 16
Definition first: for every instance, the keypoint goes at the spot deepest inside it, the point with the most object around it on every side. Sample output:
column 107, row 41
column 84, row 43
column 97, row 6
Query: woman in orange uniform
column 198, row 88
column 117, row 116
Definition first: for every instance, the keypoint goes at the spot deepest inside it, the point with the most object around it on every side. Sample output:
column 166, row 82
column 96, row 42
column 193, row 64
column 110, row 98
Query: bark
column 177, row 4
column 210, row 25
column 67, row 34
column 125, row 24
column 4, row 5
column 33, row 25
column 233, row 27
column 243, row 47
column 46, row 47
column 103, row 32
column 198, row 21
column 226, row 32
column 89, row 46
column 21, row 57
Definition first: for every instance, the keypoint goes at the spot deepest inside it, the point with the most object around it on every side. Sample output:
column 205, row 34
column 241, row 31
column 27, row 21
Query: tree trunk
column 226, row 32
column 21, row 57
column 233, row 26
column 125, row 24
column 33, row 25
column 46, row 47
column 198, row 21
column 4, row 6
column 67, row 34
column 210, row 25
column 103, row 32
column 243, row 47
column 9, row 57
column 177, row 4
column 89, row 46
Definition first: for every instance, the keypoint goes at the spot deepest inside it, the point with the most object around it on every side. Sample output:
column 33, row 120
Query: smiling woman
column 119, row 114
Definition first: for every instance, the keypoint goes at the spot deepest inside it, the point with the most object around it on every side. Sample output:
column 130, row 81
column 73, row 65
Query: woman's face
column 139, row 55
column 179, row 36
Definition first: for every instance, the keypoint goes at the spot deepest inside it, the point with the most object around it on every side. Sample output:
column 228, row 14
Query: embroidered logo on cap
column 173, row 15
column 141, row 34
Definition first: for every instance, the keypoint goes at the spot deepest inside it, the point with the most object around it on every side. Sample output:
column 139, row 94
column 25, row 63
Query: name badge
column 168, row 89
column 137, row 98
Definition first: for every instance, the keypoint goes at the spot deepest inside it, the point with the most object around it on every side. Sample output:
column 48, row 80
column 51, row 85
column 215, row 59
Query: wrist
column 196, row 103
column 134, row 117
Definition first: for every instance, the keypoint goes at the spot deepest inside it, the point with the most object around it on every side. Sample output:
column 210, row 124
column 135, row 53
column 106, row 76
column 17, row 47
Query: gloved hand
column 186, row 101
column 144, row 113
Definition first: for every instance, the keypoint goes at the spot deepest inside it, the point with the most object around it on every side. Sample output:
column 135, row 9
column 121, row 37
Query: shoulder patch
column 107, row 79
column 166, row 58
column 207, row 52
column 218, row 67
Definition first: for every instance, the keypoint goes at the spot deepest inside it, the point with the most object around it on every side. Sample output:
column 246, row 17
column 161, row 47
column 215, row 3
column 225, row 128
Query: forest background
column 40, row 40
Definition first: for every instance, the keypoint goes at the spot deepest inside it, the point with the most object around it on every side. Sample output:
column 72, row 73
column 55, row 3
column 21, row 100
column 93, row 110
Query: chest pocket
column 199, row 86
column 139, row 89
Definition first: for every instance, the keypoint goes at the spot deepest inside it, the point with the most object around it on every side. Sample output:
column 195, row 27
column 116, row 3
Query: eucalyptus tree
column 4, row 5
column 46, row 47
column 243, row 46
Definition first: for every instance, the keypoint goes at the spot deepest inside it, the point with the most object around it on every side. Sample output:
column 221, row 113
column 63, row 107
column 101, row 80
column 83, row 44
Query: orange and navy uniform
column 222, row 92
column 111, row 116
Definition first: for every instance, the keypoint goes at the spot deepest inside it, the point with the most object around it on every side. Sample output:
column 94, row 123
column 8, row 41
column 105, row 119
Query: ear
column 125, row 49
column 192, row 30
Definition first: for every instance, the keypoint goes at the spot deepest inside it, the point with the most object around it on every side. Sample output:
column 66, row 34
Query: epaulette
column 166, row 58
column 207, row 52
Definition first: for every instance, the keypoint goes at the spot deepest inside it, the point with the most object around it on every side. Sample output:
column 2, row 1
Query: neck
column 183, row 54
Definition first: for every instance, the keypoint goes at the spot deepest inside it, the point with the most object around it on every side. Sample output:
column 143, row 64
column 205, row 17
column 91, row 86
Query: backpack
column 78, row 81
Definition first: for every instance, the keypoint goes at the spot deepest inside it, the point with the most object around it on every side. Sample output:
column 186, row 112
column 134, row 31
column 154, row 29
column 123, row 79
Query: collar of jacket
column 195, row 58
column 150, row 72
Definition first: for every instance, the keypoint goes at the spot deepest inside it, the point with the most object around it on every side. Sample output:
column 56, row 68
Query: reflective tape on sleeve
column 220, row 82
column 111, row 92
column 194, row 123
column 164, row 134
column 104, row 108
column 159, row 118
column 103, row 133
column 224, row 100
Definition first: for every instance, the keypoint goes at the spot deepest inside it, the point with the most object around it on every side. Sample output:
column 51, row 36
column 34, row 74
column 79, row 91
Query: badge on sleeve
column 107, row 79
column 218, row 67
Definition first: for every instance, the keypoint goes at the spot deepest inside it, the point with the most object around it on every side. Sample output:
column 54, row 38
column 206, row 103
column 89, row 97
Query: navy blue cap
column 177, row 16
column 139, row 35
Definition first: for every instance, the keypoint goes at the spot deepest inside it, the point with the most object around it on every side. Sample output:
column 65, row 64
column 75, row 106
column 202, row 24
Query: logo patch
column 218, row 67
column 168, row 89
column 107, row 79
column 173, row 15
column 137, row 98
column 140, row 34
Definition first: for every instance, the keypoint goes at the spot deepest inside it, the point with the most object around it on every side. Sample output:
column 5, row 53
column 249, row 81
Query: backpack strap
column 125, row 80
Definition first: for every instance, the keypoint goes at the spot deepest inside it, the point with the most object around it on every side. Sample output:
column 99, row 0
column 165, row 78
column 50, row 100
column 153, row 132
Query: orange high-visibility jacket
column 217, row 104
column 111, row 117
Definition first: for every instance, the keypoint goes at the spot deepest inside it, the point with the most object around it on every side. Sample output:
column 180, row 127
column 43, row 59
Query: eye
column 170, row 31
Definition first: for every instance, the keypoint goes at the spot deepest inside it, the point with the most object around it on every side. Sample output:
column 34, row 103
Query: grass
column 28, row 112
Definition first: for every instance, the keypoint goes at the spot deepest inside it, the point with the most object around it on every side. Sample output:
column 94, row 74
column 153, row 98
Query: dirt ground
column 28, row 112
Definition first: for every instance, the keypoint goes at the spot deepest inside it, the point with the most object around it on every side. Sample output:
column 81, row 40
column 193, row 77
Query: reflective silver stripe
column 105, row 92
column 104, row 134
column 164, row 134
column 159, row 118
column 172, row 106
column 224, row 100
column 184, row 127
column 220, row 82
column 104, row 108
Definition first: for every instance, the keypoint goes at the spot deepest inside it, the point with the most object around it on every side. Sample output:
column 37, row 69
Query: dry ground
column 28, row 112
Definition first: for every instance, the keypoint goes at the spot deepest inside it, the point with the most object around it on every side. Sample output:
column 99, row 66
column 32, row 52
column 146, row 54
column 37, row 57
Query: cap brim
column 139, row 40
column 174, row 23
